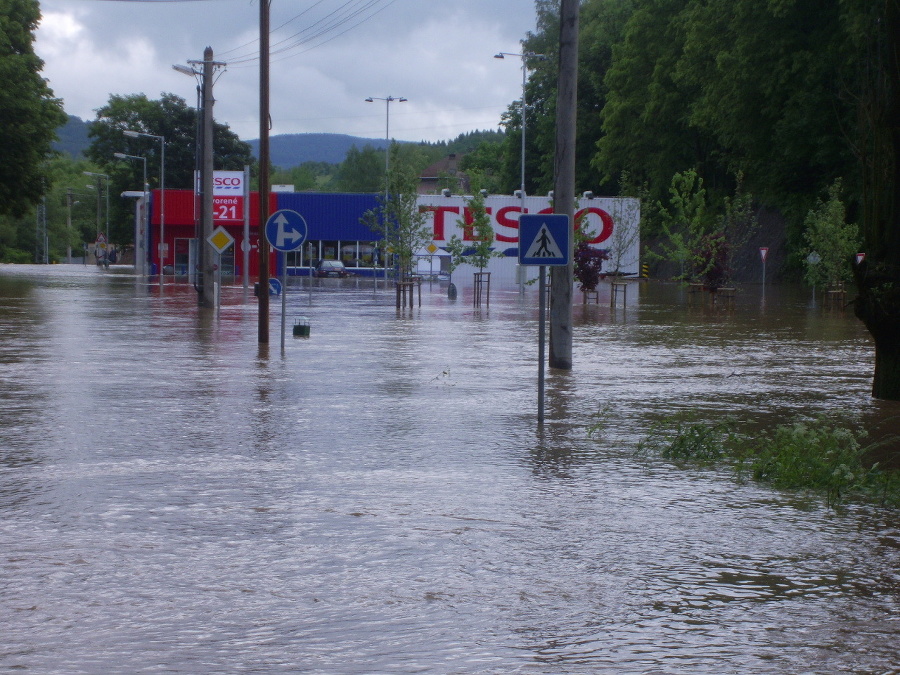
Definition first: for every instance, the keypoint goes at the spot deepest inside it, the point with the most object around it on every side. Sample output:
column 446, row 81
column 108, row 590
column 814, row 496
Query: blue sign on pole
column 274, row 286
column 544, row 239
column 286, row 230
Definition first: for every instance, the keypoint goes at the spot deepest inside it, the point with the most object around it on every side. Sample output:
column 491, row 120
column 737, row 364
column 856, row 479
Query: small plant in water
column 817, row 454
column 597, row 428
column 682, row 439
column 820, row 455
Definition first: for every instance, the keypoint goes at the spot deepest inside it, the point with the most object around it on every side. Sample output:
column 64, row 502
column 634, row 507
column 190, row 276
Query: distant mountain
column 287, row 150
column 290, row 150
column 73, row 137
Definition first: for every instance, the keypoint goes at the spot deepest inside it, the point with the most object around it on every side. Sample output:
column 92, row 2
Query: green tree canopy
column 29, row 114
column 361, row 171
column 170, row 117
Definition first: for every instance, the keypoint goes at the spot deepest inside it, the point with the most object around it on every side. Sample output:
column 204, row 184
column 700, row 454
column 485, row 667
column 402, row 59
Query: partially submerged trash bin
column 301, row 327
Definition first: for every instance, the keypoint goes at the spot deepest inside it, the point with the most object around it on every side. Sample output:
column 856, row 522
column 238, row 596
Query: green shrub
column 817, row 455
column 820, row 455
column 690, row 441
column 16, row 256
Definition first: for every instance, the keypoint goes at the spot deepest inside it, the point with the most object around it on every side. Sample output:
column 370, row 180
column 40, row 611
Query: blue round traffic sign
column 274, row 286
column 286, row 230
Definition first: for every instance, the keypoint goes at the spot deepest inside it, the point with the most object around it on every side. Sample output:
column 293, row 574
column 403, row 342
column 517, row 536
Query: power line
column 363, row 10
column 334, row 20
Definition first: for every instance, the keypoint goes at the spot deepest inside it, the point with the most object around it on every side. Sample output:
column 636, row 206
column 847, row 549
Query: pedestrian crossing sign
column 544, row 239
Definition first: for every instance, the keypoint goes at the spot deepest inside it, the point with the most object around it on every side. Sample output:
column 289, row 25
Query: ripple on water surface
column 378, row 499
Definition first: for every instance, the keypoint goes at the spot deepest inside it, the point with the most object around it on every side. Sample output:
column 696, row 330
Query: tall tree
column 602, row 23
column 646, row 126
column 170, row 117
column 874, row 32
column 361, row 171
column 29, row 114
column 765, row 81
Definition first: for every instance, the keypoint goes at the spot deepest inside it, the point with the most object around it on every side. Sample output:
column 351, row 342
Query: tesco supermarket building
column 335, row 231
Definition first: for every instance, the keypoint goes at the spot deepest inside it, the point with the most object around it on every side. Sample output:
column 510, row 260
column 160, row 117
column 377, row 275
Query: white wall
column 614, row 222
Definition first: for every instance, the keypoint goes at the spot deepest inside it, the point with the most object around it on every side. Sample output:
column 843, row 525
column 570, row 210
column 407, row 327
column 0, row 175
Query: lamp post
column 69, row 203
column 163, row 247
column 387, row 157
column 387, row 135
column 98, row 176
column 122, row 155
column 96, row 188
column 524, row 56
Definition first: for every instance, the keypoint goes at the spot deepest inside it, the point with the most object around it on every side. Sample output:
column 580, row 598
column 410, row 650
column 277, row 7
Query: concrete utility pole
column 69, row 225
column 263, row 324
column 561, row 278
column 207, row 259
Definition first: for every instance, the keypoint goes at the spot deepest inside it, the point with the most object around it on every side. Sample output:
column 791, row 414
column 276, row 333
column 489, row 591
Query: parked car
column 331, row 268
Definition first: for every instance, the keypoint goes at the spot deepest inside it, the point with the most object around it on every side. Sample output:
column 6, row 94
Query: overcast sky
column 328, row 56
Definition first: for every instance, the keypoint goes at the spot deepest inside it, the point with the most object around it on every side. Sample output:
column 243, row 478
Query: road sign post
column 543, row 241
column 221, row 240
column 763, row 254
column 286, row 230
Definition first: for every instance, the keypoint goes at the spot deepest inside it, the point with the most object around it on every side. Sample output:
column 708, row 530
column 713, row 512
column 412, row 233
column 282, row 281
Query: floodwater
column 378, row 498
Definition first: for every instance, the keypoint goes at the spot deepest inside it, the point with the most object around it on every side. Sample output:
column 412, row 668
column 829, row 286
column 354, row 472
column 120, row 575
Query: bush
column 815, row 455
column 819, row 455
column 16, row 256
column 588, row 264
column 690, row 441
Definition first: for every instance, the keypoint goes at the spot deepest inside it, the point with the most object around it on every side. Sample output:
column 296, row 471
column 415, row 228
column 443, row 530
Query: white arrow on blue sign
column 544, row 239
column 286, row 230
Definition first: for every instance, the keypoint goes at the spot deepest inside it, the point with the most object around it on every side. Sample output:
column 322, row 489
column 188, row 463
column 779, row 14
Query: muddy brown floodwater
column 378, row 497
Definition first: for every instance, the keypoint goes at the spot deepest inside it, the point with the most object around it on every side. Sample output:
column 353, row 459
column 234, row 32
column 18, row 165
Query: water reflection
column 380, row 499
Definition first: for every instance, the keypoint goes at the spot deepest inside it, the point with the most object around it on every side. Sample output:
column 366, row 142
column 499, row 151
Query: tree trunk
column 878, row 276
column 878, row 307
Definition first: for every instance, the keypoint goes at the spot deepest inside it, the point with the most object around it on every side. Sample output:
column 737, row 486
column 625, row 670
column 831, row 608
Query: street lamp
column 122, row 155
column 69, row 204
column 523, row 56
column 387, row 136
column 387, row 161
column 105, row 177
column 163, row 247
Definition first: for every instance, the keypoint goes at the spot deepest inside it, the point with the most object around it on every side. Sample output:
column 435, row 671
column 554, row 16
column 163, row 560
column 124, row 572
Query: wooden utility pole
column 263, row 330
column 561, row 278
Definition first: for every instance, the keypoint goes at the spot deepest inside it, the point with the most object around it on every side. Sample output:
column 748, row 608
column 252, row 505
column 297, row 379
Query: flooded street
column 378, row 498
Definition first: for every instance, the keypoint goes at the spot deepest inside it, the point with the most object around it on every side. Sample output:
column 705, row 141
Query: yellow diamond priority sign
column 220, row 239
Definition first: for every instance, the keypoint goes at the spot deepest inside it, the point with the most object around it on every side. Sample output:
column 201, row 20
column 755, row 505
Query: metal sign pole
column 285, row 230
column 543, row 241
column 283, row 295
column 542, row 332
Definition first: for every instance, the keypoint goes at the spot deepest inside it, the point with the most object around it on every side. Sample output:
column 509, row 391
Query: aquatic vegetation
column 822, row 456
column 684, row 440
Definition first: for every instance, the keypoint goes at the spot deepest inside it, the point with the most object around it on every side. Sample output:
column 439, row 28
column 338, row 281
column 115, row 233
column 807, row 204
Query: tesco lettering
column 600, row 216
column 506, row 228
column 229, row 183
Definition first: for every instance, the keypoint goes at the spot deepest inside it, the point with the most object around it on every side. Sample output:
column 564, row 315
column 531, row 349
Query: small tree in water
column 588, row 265
column 397, row 218
column 832, row 238
column 711, row 261
column 477, row 247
